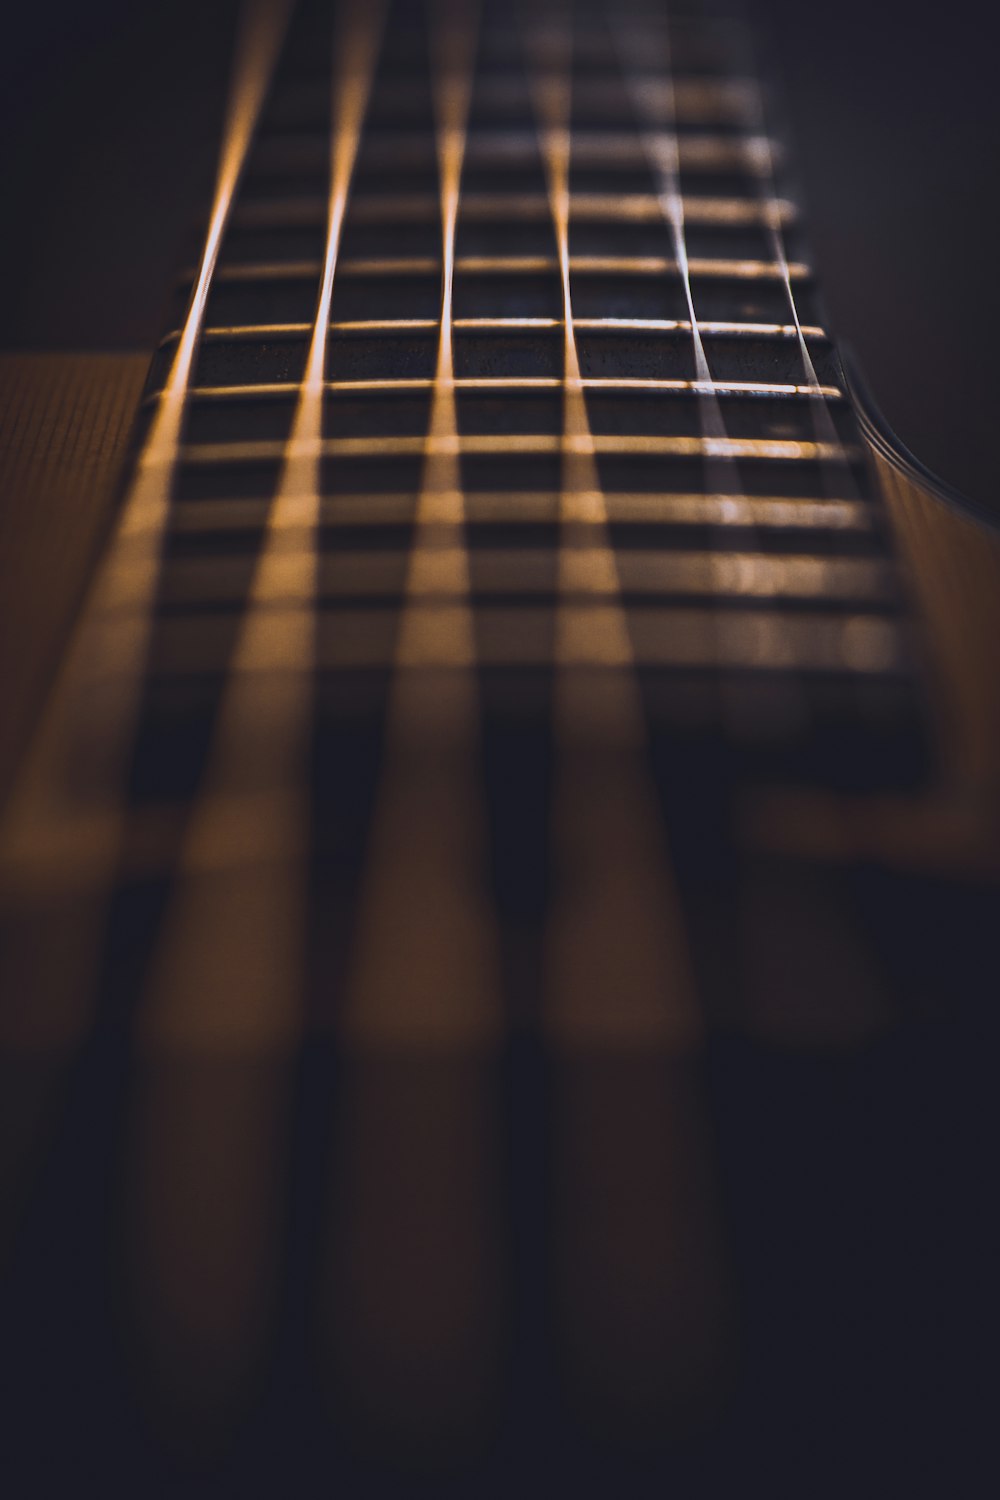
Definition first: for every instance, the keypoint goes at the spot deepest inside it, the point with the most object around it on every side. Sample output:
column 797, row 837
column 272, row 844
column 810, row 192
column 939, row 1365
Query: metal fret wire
column 614, row 148
column 501, row 206
column 401, row 446
column 839, row 480
column 837, row 474
column 640, row 38
column 506, row 325
column 443, row 445
column 867, row 650
column 511, row 384
column 417, row 265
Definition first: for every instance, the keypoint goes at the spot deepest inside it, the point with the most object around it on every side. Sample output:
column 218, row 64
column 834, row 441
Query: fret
column 498, row 207
column 514, row 265
column 283, row 154
column 499, row 527
column 508, row 385
column 559, row 394
column 260, row 736
column 441, row 975
column 607, row 353
column 669, row 515
column 701, row 102
column 354, row 639
column 376, row 326
column 208, row 454
column 528, row 572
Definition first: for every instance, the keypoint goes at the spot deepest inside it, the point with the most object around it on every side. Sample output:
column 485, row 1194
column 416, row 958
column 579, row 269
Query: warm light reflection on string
column 617, row 969
column 230, row 963
column 442, row 445
column 501, row 207
column 838, row 478
column 56, row 828
column 437, row 982
column 657, row 115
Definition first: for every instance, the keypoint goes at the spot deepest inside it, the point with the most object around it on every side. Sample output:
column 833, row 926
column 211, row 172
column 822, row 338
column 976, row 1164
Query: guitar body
column 476, row 1006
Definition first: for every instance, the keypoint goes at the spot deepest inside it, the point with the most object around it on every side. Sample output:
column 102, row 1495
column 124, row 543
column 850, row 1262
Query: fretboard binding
column 499, row 207
column 266, row 451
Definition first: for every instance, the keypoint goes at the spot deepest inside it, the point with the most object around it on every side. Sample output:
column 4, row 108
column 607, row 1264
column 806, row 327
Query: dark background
column 109, row 112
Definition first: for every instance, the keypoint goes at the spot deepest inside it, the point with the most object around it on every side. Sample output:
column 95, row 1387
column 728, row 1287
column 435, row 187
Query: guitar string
column 617, row 974
column 227, row 969
column 376, row 208
column 68, row 817
column 614, row 928
column 637, row 39
column 424, row 981
column 438, row 981
column 841, row 484
column 865, row 650
column 230, row 963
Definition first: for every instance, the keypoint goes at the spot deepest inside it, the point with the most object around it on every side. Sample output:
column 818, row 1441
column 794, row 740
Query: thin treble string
column 230, row 959
column 637, row 42
column 425, row 882
column 832, row 451
column 589, row 565
column 108, row 652
column 617, row 967
column 839, row 479
column 438, row 568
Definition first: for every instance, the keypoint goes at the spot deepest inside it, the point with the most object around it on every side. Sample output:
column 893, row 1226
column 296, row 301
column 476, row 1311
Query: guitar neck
column 498, row 417
column 568, row 266
column 447, row 947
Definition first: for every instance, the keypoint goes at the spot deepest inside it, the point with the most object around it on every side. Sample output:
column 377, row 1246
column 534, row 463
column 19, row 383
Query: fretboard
column 433, row 1082
column 498, row 456
column 569, row 292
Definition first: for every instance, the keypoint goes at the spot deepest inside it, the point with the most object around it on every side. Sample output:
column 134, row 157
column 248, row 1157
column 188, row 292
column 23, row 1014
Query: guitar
column 502, row 830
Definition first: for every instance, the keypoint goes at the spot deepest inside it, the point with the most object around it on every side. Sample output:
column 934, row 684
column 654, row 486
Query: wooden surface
column 65, row 420
column 732, row 1251
column 954, row 562
column 951, row 828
